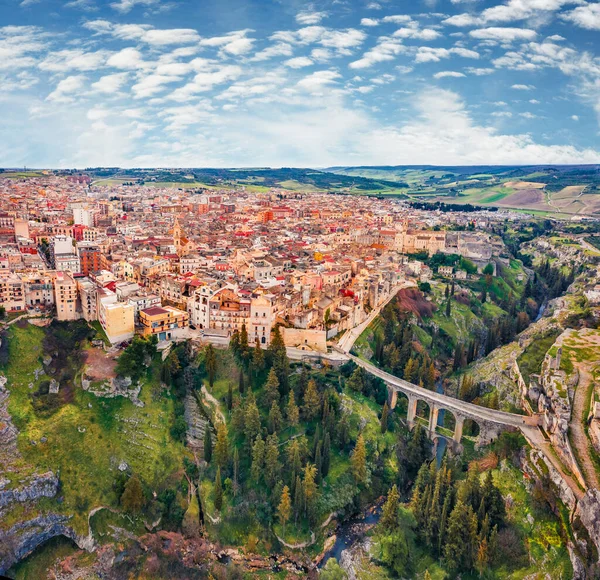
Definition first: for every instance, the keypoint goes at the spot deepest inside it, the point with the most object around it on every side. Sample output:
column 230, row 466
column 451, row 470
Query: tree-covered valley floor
column 289, row 454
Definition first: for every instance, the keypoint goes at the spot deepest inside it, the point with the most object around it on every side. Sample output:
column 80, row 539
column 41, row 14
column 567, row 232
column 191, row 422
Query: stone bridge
column 490, row 421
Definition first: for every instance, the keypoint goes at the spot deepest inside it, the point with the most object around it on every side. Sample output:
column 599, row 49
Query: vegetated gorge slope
column 236, row 462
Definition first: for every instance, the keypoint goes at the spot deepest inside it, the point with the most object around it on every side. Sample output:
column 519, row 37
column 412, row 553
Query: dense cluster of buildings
column 168, row 262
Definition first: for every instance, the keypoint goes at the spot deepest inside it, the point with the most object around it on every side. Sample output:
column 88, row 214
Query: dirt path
column 536, row 440
column 214, row 402
column 578, row 420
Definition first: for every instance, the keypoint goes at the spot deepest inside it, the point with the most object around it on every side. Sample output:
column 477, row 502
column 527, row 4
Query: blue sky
column 140, row 83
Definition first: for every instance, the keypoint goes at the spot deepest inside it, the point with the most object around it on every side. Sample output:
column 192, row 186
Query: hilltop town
column 163, row 261
column 245, row 381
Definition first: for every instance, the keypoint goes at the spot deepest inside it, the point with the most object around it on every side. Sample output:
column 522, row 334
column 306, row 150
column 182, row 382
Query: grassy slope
column 88, row 437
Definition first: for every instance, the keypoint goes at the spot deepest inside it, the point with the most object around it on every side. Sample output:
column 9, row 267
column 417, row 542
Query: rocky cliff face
column 45, row 485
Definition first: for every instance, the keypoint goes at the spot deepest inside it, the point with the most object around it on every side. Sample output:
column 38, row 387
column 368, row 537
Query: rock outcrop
column 45, row 485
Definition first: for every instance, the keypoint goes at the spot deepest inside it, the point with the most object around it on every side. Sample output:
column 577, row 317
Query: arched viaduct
column 490, row 421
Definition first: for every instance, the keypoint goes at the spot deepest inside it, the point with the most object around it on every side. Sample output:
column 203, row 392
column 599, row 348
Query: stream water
column 350, row 532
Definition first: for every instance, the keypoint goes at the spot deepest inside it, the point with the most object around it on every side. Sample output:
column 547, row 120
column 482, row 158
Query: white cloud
column 528, row 115
column 318, row 80
column 386, row 49
column 479, row 72
column 448, row 73
column 512, row 11
column 127, row 59
column 67, row 60
column 144, row 33
column 309, row 17
column 417, row 33
column 206, row 80
column 503, row 34
column 522, row 87
column 298, row 62
column 574, row 117
column 369, row 22
column 586, row 16
column 277, row 49
column 110, row 84
column 397, row 19
column 67, row 88
column 125, row 6
column 20, row 46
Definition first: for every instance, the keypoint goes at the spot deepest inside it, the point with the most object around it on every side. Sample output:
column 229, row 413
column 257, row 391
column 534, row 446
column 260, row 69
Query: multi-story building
column 228, row 311
column 116, row 318
column 162, row 321
column 12, row 292
column 65, row 296
column 39, row 290
column 261, row 320
column 88, row 299
column 141, row 302
column 90, row 258
column 67, row 263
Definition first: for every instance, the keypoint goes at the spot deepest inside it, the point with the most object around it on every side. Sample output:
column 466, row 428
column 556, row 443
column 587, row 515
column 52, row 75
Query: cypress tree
column 241, row 385
column 384, row 417
column 207, row 445
column 222, row 446
column 258, row 459
column 218, row 490
column 284, row 509
column 275, row 419
column 389, row 516
column 359, row 460
column 312, row 401
column 230, row 397
column 292, row 411
column 272, row 387
column 326, row 455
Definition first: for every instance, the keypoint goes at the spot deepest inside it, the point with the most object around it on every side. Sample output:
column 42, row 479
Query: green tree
column 207, row 445
column 236, row 470
column 244, row 341
column 448, row 308
column 384, row 417
column 312, row 401
column 229, row 397
column 359, row 460
column 292, row 411
column 275, row 419
column 241, row 383
column 389, row 516
column 272, row 465
column 272, row 387
column 356, row 380
column 310, row 492
column 218, row 491
column 258, row 357
column 326, row 461
column 298, row 498
column 132, row 499
column 284, row 509
column 222, row 446
column 333, row 571
column 258, row 459
column 252, row 421
column 210, row 363
column 461, row 537
column 135, row 359
column 395, row 552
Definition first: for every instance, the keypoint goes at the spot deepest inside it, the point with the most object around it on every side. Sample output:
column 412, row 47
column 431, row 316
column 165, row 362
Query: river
column 350, row 531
